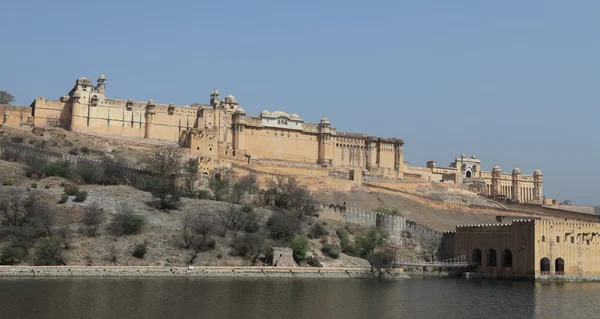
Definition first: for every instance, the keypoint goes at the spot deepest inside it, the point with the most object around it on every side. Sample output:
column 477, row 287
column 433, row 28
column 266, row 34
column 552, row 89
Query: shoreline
column 194, row 271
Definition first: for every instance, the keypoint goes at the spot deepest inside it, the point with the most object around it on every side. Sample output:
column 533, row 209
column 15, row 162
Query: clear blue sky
column 514, row 82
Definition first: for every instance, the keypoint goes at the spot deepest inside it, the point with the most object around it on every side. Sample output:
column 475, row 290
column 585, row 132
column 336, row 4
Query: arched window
column 558, row 239
column 559, row 266
column 545, row 265
column 572, row 240
column 476, row 257
column 491, row 258
column 507, row 258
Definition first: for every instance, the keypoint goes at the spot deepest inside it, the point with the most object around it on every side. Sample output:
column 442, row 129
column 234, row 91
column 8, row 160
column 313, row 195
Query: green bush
column 318, row 231
column 60, row 169
column 127, row 223
column 33, row 185
column 7, row 182
column 204, row 194
column 63, row 198
column 331, row 251
column 87, row 172
column 283, row 226
column 71, row 190
column 140, row 250
column 48, row 252
column 74, row 151
column 80, row 196
column 85, row 150
column 300, row 247
column 387, row 211
column 12, row 255
column 344, row 237
column 47, row 186
column 17, row 139
column 313, row 262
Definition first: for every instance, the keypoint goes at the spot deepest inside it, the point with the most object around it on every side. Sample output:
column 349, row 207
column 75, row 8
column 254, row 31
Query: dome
column 280, row 114
column 294, row 116
column 241, row 111
column 497, row 168
column 230, row 99
column 84, row 80
column 516, row 170
column 473, row 156
column 151, row 102
column 537, row 172
column 325, row 121
column 101, row 78
column 129, row 101
column 265, row 113
column 214, row 92
column 462, row 156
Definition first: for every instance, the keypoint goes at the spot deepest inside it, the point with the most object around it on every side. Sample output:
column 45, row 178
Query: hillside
column 438, row 219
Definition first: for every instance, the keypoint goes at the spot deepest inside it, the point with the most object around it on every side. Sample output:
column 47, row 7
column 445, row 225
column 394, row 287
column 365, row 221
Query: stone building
column 532, row 248
column 221, row 131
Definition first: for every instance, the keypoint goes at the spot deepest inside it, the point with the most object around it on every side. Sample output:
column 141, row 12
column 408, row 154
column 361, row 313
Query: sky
column 513, row 82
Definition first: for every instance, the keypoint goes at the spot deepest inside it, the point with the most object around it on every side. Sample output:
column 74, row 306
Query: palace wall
column 14, row 115
column 577, row 244
column 491, row 245
column 51, row 113
column 281, row 144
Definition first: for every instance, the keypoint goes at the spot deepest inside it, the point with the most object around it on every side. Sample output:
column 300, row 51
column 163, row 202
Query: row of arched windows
column 559, row 266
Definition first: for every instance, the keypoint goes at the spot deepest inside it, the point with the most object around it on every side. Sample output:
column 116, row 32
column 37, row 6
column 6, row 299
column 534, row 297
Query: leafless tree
column 191, row 175
column 245, row 185
column 166, row 160
column 93, row 217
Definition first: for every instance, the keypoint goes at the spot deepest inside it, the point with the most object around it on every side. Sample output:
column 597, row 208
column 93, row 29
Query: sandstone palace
column 221, row 131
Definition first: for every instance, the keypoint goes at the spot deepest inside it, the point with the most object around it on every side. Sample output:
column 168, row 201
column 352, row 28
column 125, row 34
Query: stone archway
column 545, row 265
column 468, row 174
column 559, row 266
column 476, row 257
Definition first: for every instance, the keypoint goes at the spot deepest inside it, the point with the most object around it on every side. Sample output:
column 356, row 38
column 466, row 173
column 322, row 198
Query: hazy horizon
column 513, row 82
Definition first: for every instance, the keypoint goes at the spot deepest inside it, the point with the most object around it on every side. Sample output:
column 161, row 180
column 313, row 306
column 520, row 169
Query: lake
column 293, row 298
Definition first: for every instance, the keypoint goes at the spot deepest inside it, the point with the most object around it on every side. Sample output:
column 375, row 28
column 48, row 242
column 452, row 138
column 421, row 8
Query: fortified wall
column 395, row 226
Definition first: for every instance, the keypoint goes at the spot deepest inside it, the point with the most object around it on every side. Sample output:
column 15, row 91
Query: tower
column 516, row 184
column 150, row 113
column 239, row 128
column 101, row 84
column 214, row 98
column 325, row 157
column 496, row 172
column 537, row 186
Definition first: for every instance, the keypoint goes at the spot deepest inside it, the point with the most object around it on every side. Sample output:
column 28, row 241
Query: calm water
column 280, row 298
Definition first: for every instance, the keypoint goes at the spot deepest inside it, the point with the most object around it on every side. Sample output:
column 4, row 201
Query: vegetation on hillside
column 39, row 229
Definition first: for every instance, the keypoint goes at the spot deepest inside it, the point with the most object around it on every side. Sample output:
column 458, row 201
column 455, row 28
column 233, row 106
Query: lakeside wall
column 192, row 272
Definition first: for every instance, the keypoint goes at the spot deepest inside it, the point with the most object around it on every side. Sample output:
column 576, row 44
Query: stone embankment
column 195, row 272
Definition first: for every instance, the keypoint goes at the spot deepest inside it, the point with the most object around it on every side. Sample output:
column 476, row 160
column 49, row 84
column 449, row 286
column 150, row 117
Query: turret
column 239, row 128
column 229, row 103
column 150, row 113
column 214, row 98
column 537, row 186
column 101, row 84
column 516, row 184
column 324, row 140
column 496, row 173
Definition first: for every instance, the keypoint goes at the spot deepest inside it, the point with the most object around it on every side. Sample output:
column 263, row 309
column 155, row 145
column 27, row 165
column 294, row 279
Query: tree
column 166, row 196
column 48, row 252
column 220, row 184
column 191, row 175
column 285, row 193
column 249, row 245
column 369, row 242
column 299, row 247
column 196, row 234
column 245, row 185
column 93, row 217
column 382, row 260
column 126, row 222
column 6, row 98
column 165, row 160
column 283, row 226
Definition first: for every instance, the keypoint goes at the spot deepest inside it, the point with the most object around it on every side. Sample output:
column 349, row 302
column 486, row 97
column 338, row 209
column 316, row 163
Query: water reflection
column 245, row 298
